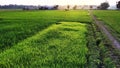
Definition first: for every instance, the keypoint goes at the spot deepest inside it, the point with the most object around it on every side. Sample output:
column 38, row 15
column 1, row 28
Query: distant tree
column 104, row 5
column 43, row 8
column 25, row 8
column 91, row 7
column 0, row 6
column 118, row 5
column 75, row 7
column 46, row 8
column 68, row 7
column 98, row 7
column 56, row 7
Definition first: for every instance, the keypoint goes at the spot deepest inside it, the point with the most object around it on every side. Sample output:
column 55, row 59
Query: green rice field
column 52, row 39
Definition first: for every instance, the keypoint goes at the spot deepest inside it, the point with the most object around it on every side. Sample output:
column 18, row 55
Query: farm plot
column 16, row 26
column 60, row 45
column 38, row 39
column 111, row 19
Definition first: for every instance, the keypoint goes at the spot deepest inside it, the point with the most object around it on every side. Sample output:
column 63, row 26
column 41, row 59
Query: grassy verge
column 98, row 54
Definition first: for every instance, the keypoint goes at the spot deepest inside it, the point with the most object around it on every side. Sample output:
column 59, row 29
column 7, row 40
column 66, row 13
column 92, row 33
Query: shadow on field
column 86, row 22
column 1, row 19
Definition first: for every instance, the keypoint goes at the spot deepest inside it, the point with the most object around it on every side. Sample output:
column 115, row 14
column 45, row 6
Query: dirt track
column 106, row 31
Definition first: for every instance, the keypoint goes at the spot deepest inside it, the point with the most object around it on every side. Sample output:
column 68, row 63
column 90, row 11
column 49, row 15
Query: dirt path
column 106, row 31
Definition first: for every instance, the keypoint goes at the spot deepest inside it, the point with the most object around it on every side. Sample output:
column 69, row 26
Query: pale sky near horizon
column 56, row 2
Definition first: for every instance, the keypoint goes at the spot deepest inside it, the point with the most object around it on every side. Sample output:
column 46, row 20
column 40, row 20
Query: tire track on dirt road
column 115, row 43
column 106, row 31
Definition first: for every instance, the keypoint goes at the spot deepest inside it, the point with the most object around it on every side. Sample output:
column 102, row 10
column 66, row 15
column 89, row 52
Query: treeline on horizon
column 33, row 7
column 27, row 7
column 102, row 6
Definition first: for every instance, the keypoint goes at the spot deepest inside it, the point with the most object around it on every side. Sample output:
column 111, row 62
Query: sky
column 56, row 2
